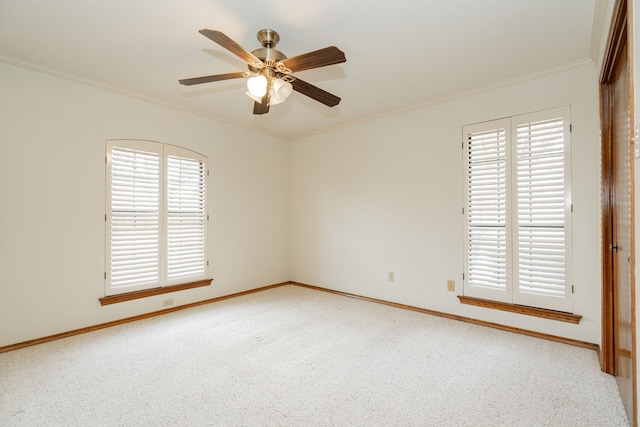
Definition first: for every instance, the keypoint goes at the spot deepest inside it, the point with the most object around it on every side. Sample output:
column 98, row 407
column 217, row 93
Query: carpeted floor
column 292, row 356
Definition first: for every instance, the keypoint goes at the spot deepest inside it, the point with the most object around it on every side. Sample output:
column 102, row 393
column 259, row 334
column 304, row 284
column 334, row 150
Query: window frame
column 160, row 283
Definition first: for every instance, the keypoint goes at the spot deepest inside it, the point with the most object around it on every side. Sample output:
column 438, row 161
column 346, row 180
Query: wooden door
column 621, row 228
column 618, row 347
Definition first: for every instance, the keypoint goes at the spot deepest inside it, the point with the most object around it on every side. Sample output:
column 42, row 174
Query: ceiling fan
column 269, row 77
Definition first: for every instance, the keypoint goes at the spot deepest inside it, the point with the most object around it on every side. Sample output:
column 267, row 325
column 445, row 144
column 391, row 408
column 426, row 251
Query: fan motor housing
column 266, row 53
column 268, row 39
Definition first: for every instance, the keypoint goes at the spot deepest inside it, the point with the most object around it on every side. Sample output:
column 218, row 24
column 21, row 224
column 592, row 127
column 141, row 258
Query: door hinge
column 571, row 207
column 462, row 211
column 570, row 127
column 207, row 263
column 105, row 275
column 613, row 247
column 572, row 289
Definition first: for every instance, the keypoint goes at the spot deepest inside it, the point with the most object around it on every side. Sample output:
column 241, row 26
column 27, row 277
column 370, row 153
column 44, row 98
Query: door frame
column 618, row 35
column 621, row 32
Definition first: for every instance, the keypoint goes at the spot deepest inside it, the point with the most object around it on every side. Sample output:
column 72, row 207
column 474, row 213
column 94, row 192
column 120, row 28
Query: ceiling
column 401, row 54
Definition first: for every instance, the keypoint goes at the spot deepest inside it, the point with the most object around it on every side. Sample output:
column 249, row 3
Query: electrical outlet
column 167, row 302
column 451, row 285
column 392, row 276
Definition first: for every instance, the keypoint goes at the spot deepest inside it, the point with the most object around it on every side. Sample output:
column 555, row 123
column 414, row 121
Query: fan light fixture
column 279, row 89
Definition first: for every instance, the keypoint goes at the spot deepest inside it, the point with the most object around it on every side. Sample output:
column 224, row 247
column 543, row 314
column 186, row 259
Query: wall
column 338, row 210
column 52, row 202
column 386, row 196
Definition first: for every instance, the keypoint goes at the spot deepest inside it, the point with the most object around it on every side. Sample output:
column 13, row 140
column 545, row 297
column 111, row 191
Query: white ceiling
column 400, row 54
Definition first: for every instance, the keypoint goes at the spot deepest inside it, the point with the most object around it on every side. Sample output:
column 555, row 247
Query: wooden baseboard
column 535, row 334
column 61, row 335
column 555, row 338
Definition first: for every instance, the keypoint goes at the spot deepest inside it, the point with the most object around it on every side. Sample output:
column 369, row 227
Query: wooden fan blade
column 262, row 108
column 208, row 79
column 230, row 45
column 318, row 58
column 328, row 99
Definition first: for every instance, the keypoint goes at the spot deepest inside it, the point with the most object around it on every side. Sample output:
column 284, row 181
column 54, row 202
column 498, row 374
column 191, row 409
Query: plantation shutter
column 487, row 246
column 134, row 220
column 518, row 210
column 186, row 217
column 156, row 216
column 542, row 201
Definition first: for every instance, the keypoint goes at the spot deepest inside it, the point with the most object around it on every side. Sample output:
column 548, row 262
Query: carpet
column 292, row 356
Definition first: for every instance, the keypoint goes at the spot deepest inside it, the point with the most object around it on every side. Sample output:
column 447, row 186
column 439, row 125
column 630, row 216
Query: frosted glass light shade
column 281, row 91
column 257, row 85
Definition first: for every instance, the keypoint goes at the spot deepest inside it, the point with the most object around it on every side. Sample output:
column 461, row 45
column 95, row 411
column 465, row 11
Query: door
column 621, row 229
column 618, row 344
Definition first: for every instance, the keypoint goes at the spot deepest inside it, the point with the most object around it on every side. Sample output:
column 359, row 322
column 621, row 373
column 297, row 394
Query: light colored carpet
column 292, row 356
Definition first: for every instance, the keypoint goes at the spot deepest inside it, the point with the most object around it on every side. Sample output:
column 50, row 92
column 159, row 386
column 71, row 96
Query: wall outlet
column 451, row 285
column 167, row 302
column 392, row 276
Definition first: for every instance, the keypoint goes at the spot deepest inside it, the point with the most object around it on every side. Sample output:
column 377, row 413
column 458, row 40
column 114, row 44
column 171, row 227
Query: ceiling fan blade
column 230, row 45
column 208, row 79
column 261, row 108
column 318, row 58
column 328, row 99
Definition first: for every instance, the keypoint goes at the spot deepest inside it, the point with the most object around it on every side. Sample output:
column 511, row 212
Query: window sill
column 522, row 309
column 113, row 299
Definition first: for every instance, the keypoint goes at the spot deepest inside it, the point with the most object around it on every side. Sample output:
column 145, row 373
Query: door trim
column 621, row 32
column 617, row 36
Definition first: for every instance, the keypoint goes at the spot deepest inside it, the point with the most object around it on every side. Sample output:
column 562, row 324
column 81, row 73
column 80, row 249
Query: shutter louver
column 186, row 218
column 540, row 168
column 487, row 209
column 135, row 218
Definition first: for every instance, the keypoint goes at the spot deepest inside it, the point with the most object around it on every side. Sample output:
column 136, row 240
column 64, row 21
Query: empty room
column 225, row 212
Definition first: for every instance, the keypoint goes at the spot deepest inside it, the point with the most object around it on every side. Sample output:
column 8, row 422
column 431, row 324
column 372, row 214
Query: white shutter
column 186, row 216
column 156, row 216
column 518, row 210
column 542, row 201
column 487, row 243
column 133, row 216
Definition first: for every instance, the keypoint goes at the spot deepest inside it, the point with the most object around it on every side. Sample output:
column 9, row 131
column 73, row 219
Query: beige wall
column 387, row 195
column 339, row 210
column 52, row 201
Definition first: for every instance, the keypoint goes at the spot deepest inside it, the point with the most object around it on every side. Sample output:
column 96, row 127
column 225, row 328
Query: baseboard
column 61, row 335
column 535, row 334
column 530, row 333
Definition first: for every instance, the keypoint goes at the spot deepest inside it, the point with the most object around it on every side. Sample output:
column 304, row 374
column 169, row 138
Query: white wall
column 52, row 202
column 386, row 196
column 352, row 204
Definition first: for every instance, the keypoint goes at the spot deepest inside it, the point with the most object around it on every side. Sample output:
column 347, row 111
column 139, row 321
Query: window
column 156, row 216
column 518, row 210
